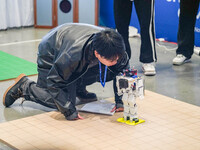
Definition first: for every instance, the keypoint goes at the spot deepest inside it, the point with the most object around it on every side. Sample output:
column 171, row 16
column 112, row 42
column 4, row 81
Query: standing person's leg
column 145, row 13
column 122, row 14
column 187, row 20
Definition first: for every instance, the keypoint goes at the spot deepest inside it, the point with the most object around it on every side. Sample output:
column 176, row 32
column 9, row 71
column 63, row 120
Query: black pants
column 145, row 13
column 187, row 20
column 38, row 92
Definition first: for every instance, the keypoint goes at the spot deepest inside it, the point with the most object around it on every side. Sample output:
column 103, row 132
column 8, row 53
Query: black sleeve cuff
column 72, row 116
column 119, row 105
column 68, row 110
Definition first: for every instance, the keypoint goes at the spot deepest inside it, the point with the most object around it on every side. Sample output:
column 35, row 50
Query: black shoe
column 15, row 91
column 86, row 96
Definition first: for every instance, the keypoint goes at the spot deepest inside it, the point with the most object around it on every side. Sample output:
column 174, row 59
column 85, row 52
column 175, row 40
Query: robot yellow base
column 130, row 123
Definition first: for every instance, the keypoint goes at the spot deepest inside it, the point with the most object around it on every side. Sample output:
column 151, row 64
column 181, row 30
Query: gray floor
column 179, row 82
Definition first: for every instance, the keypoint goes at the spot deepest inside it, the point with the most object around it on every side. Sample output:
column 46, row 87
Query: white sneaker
column 180, row 59
column 149, row 69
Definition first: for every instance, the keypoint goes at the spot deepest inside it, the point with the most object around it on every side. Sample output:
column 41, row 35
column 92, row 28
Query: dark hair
column 109, row 44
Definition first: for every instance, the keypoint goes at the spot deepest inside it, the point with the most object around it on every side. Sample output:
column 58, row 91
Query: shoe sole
column 149, row 73
column 178, row 64
column 16, row 80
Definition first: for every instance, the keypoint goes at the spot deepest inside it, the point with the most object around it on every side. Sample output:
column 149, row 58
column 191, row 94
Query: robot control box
column 129, row 82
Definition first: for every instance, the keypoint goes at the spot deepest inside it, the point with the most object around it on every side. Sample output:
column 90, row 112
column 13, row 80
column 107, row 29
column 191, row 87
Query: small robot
column 130, row 86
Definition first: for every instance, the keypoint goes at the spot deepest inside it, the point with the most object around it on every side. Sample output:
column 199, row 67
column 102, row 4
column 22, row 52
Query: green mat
column 12, row 66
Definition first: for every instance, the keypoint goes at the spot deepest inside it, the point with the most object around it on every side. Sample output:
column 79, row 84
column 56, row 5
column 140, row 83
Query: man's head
column 108, row 46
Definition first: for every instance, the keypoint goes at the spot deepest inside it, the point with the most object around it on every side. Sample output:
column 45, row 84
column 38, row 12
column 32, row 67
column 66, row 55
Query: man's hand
column 120, row 109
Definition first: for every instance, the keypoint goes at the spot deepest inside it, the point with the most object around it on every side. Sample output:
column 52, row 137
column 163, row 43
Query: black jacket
column 64, row 56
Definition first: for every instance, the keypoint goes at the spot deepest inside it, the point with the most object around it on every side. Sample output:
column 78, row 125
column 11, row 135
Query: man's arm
column 57, row 83
column 123, row 63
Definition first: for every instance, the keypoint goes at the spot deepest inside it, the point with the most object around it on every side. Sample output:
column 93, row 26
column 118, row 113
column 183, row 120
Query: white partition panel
column 87, row 11
column 65, row 11
column 44, row 12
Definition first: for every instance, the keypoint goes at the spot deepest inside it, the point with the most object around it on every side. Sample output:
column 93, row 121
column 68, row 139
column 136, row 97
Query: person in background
column 70, row 57
column 185, row 36
column 145, row 13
